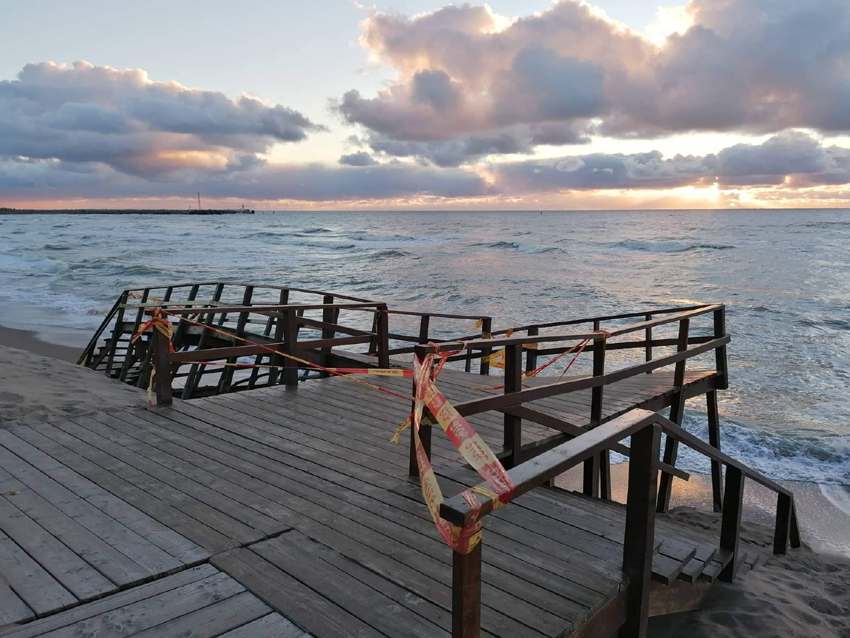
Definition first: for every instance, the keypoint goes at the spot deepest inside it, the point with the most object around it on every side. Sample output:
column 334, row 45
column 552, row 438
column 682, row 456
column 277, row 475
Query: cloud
column 360, row 158
column 134, row 125
column 36, row 180
column 464, row 73
column 792, row 158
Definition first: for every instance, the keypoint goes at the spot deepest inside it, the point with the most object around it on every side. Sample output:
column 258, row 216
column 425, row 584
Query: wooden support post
column 795, row 528
column 531, row 353
column 782, row 531
column 383, row 324
column 226, row 379
column 466, row 594
column 486, row 330
column 116, row 333
column 649, row 341
column 130, row 353
column 677, row 410
column 714, row 441
column 279, row 330
column 424, row 327
column 512, row 439
column 730, row 526
column 290, row 340
column 639, row 537
column 162, row 365
column 329, row 315
column 599, row 465
column 424, row 435
column 721, row 363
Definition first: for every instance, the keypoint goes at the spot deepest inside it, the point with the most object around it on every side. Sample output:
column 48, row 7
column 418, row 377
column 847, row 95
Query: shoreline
column 29, row 340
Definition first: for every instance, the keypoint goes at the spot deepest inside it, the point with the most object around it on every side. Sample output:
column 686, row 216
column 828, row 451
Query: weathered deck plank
column 301, row 500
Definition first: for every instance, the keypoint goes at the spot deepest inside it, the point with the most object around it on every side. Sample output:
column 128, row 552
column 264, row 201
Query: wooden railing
column 645, row 429
column 272, row 353
column 426, row 334
column 208, row 292
column 511, row 402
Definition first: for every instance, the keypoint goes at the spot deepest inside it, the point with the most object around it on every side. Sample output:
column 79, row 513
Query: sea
column 784, row 276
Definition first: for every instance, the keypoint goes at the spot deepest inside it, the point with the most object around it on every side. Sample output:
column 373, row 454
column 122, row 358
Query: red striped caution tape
column 471, row 446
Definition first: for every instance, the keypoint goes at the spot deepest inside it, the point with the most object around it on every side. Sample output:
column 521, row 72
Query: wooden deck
column 241, row 514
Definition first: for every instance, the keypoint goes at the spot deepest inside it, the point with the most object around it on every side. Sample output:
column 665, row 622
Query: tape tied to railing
column 468, row 442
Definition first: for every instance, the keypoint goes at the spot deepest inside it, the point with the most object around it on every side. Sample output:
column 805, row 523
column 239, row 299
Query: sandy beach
column 40, row 381
column 806, row 593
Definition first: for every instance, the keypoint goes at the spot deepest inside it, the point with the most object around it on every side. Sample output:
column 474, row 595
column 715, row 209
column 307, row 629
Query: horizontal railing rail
column 515, row 396
column 644, row 427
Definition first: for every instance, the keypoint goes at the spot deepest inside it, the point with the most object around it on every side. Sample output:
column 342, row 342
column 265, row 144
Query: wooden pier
column 285, row 509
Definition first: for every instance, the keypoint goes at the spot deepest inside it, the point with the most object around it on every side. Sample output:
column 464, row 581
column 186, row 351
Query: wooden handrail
column 479, row 343
column 616, row 332
column 626, row 315
column 484, row 404
column 182, row 310
column 693, row 442
column 537, row 471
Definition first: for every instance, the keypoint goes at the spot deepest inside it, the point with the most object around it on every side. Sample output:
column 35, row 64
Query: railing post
column 424, row 432
column 784, row 510
column 639, row 536
column 714, row 441
column 277, row 360
column 721, row 363
column 383, row 325
column 226, row 379
column 329, row 315
column 129, row 355
column 486, row 330
column 290, row 340
column 424, row 326
column 649, row 341
column 512, row 424
column 598, row 468
column 730, row 526
column 466, row 594
column 162, row 365
column 677, row 409
column 531, row 353
column 116, row 333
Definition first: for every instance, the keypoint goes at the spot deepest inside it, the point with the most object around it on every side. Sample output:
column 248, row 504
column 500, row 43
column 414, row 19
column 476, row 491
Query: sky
column 341, row 104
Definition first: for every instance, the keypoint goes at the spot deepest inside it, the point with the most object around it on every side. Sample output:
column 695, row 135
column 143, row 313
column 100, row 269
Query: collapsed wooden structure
column 294, row 501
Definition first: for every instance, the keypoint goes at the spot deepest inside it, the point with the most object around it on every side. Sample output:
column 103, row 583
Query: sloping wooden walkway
column 298, row 496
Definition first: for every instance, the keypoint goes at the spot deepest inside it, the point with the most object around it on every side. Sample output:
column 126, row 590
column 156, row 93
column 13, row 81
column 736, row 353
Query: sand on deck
column 801, row 594
column 34, row 388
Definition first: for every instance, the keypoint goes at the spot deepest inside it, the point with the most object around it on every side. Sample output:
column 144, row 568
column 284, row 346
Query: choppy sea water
column 785, row 276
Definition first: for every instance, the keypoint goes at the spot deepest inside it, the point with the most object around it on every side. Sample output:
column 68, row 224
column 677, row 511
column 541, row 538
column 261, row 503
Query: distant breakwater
column 128, row 211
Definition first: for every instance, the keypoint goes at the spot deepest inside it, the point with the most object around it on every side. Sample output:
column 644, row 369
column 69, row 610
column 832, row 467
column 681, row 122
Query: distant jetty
column 125, row 211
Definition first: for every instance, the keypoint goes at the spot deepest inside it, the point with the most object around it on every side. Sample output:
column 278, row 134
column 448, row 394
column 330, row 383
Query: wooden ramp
column 301, row 501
